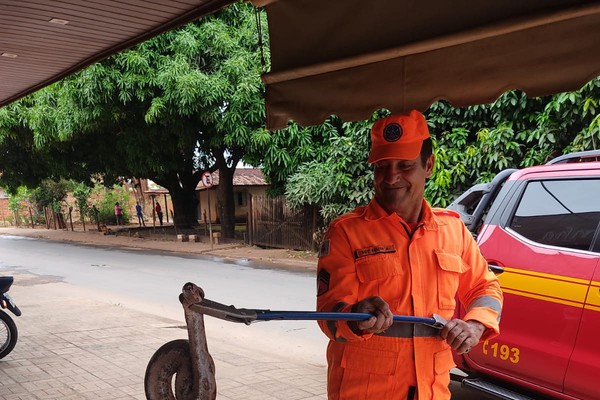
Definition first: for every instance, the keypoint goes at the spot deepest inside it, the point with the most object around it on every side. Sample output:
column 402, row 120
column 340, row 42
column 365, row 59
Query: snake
column 188, row 362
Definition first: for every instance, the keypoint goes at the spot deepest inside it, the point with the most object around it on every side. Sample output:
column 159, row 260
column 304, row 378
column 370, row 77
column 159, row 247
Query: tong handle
column 247, row 316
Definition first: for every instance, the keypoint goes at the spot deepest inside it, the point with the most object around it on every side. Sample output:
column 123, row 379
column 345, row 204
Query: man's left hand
column 462, row 335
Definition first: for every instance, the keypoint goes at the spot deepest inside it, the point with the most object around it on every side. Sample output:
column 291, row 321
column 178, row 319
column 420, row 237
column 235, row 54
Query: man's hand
column 462, row 335
column 383, row 317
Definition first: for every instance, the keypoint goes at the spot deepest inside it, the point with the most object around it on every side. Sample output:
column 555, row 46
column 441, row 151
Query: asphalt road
column 151, row 282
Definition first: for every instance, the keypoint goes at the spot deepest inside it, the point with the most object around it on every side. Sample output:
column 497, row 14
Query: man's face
column 399, row 185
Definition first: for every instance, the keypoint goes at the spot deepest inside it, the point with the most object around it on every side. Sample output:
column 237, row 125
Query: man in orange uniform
column 398, row 255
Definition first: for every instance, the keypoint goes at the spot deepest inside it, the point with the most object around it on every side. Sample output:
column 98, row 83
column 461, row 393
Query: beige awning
column 352, row 57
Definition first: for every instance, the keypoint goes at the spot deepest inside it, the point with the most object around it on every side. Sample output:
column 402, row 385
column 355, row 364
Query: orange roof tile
column 241, row 177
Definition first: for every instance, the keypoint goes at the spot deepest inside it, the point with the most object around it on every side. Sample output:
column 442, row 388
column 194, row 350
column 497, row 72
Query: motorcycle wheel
column 171, row 360
column 8, row 334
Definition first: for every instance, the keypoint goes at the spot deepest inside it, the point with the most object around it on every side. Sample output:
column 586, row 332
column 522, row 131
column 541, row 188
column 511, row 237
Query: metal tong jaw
column 439, row 323
column 228, row 313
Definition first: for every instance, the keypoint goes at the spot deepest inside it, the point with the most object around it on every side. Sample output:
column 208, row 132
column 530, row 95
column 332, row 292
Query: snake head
column 191, row 294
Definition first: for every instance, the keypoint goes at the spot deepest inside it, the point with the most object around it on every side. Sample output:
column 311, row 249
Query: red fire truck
column 539, row 229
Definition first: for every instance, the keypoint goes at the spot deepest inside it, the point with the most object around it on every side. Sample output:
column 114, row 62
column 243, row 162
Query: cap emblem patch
column 392, row 132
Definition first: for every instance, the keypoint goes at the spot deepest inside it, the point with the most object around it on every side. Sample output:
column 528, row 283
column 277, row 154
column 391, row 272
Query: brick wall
column 6, row 215
column 4, row 211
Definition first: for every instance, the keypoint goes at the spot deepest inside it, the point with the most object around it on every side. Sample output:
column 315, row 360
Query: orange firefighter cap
column 398, row 136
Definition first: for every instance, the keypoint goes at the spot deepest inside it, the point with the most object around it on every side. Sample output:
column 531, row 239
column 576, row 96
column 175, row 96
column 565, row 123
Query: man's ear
column 429, row 166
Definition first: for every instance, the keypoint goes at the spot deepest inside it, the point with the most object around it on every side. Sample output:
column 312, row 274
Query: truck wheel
column 171, row 360
column 8, row 334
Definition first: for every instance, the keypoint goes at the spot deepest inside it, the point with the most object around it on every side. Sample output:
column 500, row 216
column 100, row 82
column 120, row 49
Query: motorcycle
column 8, row 328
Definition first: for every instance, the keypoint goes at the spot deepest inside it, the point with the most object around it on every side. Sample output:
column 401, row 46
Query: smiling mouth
column 394, row 187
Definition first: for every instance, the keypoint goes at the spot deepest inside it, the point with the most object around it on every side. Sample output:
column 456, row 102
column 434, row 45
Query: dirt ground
column 165, row 239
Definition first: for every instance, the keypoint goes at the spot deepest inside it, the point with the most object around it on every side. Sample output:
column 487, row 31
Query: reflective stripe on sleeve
column 486, row 301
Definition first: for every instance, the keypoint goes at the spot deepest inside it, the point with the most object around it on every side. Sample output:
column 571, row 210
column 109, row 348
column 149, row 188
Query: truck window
column 562, row 213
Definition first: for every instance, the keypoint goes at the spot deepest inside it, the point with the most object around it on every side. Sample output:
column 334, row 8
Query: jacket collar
column 429, row 220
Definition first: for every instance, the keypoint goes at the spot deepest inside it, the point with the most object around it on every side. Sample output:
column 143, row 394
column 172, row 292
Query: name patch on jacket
column 322, row 282
column 371, row 251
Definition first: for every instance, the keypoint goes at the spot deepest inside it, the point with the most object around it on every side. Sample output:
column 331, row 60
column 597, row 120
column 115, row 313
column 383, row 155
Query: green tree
column 26, row 159
column 50, row 194
column 16, row 200
column 81, row 193
column 474, row 143
column 471, row 144
column 334, row 177
column 104, row 200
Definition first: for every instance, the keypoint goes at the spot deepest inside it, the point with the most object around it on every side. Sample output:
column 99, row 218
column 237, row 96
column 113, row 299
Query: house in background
column 246, row 182
column 151, row 193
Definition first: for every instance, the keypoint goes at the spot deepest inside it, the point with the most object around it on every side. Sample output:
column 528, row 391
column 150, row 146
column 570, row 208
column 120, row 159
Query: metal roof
column 42, row 41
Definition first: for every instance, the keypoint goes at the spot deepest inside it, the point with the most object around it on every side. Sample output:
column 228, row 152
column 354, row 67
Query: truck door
column 542, row 241
column 584, row 367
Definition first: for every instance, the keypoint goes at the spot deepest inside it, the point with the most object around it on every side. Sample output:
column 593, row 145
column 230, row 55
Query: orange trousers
column 385, row 368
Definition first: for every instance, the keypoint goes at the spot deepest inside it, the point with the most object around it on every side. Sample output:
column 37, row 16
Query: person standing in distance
column 118, row 213
column 139, row 213
column 159, row 213
column 398, row 255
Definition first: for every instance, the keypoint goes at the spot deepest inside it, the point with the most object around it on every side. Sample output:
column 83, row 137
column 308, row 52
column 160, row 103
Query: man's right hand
column 383, row 317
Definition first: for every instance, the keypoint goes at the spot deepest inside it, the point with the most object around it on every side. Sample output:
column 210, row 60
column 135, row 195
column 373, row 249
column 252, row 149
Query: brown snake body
column 188, row 361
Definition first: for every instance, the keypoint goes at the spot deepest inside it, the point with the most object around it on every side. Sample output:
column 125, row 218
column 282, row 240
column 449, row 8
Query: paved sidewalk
column 74, row 348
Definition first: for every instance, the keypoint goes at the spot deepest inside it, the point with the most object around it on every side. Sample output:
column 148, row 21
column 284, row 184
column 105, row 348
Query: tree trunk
column 226, row 205
column 185, row 207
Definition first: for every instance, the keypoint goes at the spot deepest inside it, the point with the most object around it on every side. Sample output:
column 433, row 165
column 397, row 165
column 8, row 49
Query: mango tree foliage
column 285, row 150
column 25, row 162
column 471, row 144
column 184, row 102
column 332, row 173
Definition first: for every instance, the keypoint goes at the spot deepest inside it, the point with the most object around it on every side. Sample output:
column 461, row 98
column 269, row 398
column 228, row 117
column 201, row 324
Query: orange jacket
column 370, row 253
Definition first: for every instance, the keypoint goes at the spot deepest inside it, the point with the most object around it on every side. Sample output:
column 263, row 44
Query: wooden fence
column 273, row 223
